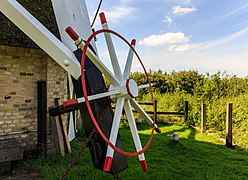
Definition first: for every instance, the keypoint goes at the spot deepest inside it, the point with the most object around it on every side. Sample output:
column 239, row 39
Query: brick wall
column 20, row 69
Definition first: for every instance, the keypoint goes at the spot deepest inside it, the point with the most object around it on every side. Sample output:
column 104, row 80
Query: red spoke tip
column 70, row 102
column 102, row 18
column 158, row 130
column 133, row 42
column 72, row 33
column 144, row 166
column 107, row 164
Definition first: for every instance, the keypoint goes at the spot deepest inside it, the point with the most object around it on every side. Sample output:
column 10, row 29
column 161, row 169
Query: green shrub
column 214, row 90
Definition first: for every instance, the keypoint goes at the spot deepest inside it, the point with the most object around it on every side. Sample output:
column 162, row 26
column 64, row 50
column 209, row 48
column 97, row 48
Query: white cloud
column 116, row 14
column 183, row 47
column 178, row 10
column 163, row 39
column 168, row 20
column 226, row 54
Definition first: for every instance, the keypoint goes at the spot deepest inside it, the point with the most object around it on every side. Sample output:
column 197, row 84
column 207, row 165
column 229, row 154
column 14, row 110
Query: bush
column 213, row 90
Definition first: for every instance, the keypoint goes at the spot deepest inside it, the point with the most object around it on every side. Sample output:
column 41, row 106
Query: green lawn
column 194, row 156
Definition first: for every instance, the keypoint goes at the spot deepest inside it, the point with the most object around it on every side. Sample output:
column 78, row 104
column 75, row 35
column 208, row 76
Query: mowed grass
column 194, row 156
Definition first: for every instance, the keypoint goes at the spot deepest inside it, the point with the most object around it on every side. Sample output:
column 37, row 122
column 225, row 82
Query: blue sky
column 204, row 35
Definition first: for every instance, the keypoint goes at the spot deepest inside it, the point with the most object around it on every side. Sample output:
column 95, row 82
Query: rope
column 97, row 11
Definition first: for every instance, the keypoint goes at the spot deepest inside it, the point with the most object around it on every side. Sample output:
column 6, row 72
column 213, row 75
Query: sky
column 173, row 35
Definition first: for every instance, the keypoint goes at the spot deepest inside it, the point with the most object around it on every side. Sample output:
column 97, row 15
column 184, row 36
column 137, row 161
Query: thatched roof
column 42, row 10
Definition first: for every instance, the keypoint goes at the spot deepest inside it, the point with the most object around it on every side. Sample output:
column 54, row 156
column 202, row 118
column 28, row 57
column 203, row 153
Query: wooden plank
column 55, row 133
column 164, row 113
column 145, row 103
column 58, row 127
column 64, row 133
column 60, row 136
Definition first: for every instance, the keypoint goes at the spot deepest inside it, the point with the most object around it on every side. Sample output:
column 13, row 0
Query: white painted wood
column 41, row 36
column 112, row 54
column 133, row 88
column 145, row 85
column 72, row 13
column 72, row 118
column 107, row 73
column 133, row 128
column 115, row 125
column 71, row 88
column 71, row 130
column 127, row 69
column 98, row 96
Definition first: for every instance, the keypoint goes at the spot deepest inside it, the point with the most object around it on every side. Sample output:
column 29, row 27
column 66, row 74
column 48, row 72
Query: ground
column 33, row 176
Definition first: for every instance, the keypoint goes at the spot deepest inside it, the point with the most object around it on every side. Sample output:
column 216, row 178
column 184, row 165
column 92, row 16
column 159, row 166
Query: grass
column 194, row 156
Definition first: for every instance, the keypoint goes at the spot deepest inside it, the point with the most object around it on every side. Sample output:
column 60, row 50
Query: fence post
column 156, row 110
column 203, row 118
column 229, row 125
column 186, row 111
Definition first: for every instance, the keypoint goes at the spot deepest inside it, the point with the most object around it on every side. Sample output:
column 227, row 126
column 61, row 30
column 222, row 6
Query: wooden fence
column 228, row 122
column 182, row 113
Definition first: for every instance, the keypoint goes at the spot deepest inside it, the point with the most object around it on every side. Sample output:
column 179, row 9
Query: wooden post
column 203, row 118
column 156, row 110
column 42, row 117
column 229, row 125
column 186, row 111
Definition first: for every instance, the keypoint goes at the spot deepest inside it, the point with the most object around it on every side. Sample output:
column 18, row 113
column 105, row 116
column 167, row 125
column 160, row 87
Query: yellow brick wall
column 20, row 69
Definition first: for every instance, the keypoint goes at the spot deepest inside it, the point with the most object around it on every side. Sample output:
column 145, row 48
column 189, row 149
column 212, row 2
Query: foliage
column 191, row 82
column 214, row 90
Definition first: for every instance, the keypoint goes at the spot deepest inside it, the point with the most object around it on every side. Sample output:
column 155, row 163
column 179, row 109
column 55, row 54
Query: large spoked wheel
column 127, row 90
column 122, row 89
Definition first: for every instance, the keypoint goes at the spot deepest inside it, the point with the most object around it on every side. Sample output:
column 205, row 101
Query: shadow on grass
column 187, row 158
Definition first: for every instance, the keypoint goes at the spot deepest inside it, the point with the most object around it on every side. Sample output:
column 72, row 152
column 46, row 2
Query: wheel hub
column 132, row 88
column 128, row 90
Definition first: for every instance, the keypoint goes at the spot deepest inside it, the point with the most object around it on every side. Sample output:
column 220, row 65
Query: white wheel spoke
column 111, row 49
column 146, row 85
column 101, row 95
column 133, row 128
column 91, row 55
column 141, row 111
column 113, row 80
column 115, row 128
column 92, row 97
column 128, row 65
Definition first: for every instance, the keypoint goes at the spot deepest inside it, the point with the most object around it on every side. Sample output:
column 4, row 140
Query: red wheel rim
column 88, row 103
